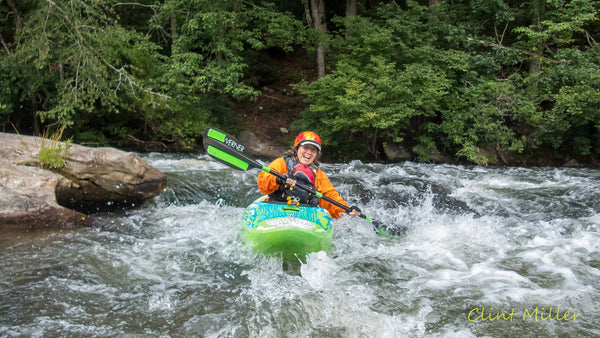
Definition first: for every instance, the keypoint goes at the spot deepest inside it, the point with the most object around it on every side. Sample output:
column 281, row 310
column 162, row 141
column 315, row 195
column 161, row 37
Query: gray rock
column 32, row 196
column 396, row 152
column 259, row 148
column 572, row 163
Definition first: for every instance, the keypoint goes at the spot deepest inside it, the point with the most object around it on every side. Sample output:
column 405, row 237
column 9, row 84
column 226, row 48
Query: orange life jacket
column 303, row 174
column 267, row 185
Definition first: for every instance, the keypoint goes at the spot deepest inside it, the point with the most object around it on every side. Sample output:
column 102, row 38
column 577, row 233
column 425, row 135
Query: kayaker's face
column 307, row 154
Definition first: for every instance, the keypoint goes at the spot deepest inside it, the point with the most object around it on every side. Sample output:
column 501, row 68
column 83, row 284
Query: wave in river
column 487, row 252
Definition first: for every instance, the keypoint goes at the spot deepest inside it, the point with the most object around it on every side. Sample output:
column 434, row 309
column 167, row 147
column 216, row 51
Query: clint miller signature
column 537, row 314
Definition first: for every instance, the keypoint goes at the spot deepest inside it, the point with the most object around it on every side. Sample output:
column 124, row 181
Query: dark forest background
column 485, row 81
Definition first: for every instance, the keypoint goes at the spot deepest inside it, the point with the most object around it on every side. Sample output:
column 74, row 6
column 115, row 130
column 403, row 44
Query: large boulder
column 261, row 148
column 33, row 195
column 396, row 152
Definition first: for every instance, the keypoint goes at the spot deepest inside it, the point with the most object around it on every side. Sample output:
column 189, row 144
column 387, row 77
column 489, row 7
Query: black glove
column 355, row 208
column 281, row 180
column 313, row 200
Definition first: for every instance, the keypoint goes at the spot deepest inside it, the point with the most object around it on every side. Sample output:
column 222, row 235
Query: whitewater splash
column 487, row 252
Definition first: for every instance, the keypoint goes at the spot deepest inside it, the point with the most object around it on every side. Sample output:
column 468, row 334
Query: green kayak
column 288, row 231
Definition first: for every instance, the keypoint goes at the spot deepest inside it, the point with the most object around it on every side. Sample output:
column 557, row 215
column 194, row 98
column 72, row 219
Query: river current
column 499, row 252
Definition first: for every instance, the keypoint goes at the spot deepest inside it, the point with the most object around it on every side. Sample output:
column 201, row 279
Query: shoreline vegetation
column 490, row 83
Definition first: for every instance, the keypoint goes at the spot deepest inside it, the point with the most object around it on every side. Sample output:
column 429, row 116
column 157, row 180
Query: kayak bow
column 289, row 231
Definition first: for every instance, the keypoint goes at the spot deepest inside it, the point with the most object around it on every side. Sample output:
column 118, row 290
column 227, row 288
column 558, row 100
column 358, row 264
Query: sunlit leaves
column 377, row 98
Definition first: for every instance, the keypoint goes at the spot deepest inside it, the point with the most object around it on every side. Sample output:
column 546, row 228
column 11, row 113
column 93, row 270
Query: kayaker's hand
column 285, row 180
column 281, row 180
column 290, row 182
column 354, row 211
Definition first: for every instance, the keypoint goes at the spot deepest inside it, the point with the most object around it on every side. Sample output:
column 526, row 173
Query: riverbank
column 272, row 131
column 270, row 116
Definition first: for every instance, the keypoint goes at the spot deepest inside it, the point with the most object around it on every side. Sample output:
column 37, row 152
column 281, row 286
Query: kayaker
column 301, row 164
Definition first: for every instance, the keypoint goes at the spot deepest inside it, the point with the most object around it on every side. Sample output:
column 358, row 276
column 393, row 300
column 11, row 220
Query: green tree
column 96, row 69
column 71, row 65
column 208, row 60
column 467, row 76
column 567, row 34
column 387, row 75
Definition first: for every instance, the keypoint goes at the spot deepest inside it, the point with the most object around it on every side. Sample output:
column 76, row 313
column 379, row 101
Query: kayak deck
column 290, row 231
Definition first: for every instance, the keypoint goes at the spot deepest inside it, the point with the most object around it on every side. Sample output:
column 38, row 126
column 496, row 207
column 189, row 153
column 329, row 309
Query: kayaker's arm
column 267, row 182
column 325, row 187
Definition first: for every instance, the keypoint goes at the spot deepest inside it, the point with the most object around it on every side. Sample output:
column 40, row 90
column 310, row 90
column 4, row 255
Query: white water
column 480, row 242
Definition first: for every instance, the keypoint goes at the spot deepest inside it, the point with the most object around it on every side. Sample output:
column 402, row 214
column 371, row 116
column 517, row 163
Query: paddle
column 228, row 150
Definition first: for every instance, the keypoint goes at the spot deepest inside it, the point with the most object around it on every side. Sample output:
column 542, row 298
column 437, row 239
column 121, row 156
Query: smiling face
column 307, row 154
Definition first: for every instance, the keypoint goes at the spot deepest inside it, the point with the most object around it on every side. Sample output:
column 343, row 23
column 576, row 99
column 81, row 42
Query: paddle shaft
column 318, row 194
column 231, row 152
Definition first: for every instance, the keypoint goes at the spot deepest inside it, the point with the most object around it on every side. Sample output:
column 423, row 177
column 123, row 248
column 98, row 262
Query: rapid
column 500, row 252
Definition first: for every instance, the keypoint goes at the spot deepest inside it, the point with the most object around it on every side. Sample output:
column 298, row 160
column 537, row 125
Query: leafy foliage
column 79, row 70
column 441, row 77
column 73, row 65
column 384, row 79
column 205, row 70
column 473, row 78
column 54, row 154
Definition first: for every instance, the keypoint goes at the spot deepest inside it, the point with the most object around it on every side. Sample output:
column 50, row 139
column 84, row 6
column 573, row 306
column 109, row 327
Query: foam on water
column 479, row 241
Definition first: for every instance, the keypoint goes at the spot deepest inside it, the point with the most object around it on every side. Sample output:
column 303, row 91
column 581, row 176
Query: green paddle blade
column 227, row 150
column 217, row 137
column 216, row 134
column 227, row 158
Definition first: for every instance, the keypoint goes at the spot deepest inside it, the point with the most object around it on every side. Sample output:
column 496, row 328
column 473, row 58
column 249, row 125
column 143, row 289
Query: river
column 500, row 252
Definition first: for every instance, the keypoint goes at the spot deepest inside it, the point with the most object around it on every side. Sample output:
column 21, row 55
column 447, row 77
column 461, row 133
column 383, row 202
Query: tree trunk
column 350, row 7
column 173, row 28
column 539, row 8
column 34, row 117
column 350, row 11
column 315, row 15
column 13, row 9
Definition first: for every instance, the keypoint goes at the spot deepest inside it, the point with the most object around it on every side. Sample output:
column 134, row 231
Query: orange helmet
column 308, row 137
